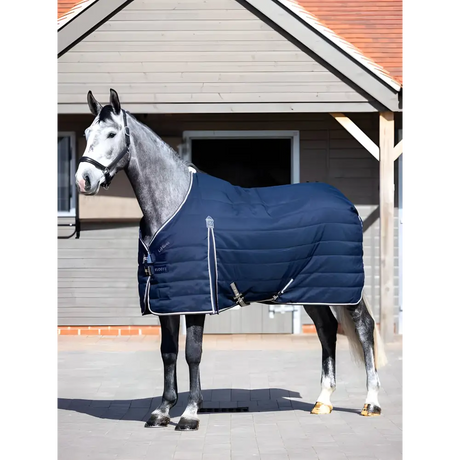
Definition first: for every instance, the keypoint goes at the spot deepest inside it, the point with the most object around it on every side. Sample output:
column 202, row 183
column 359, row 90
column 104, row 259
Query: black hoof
column 157, row 420
column 187, row 425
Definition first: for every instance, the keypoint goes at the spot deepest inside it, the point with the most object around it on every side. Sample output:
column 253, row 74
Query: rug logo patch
column 160, row 269
column 163, row 247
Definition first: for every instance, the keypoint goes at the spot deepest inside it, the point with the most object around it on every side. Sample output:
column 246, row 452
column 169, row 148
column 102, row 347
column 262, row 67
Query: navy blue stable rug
column 228, row 245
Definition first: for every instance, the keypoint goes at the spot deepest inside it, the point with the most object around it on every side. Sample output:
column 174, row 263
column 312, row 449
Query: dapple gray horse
column 160, row 180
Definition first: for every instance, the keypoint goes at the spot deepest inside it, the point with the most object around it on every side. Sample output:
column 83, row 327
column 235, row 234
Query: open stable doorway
column 245, row 162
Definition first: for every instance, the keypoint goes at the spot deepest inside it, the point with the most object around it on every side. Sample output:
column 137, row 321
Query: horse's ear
column 93, row 105
column 115, row 101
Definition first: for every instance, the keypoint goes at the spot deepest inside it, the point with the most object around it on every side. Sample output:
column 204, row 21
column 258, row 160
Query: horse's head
column 107, row 145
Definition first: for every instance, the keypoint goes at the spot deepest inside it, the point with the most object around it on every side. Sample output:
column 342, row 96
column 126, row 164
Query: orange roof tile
column 65, row 6
column 372, row 26
column 74, row 10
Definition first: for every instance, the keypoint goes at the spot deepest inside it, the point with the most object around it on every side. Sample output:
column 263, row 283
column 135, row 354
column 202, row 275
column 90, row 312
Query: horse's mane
column 157, row 138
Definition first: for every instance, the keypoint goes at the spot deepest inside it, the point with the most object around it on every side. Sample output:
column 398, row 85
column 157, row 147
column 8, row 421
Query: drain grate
column 210, row 410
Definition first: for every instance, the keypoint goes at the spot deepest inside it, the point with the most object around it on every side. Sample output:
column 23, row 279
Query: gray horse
column 160, row 180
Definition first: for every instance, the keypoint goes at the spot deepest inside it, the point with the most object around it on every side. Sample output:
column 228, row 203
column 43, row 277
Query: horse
column 161, row 180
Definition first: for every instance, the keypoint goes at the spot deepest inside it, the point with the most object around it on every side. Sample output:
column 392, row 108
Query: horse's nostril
column 87, row 182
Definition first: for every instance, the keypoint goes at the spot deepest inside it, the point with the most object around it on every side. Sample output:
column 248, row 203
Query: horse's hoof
column 371, row 410
column 321, row 408
column 157, row 420
column 187, row 425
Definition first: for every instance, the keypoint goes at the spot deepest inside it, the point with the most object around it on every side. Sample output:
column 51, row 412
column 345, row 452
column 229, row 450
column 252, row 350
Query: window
column 66, row 174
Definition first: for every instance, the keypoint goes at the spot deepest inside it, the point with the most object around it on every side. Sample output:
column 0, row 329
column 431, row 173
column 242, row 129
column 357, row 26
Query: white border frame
column 73, row 152
column 188, row 136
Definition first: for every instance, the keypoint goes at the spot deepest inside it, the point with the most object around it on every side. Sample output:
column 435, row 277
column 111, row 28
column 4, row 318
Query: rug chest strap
column 148, row 264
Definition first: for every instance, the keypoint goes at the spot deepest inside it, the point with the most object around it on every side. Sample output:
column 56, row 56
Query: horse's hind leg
column 193, row 349
column 326, row 327
column 169, row 351
column 365, row 324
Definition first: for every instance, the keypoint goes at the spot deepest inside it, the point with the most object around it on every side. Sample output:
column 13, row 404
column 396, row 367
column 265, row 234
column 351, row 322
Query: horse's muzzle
column 84, row 184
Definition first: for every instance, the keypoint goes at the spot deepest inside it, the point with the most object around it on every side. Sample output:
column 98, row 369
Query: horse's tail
column 344, row 318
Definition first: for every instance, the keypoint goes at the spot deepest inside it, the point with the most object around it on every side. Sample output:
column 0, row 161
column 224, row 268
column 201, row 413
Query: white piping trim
column 322, row 303
column 215, row 258
column 177, row 210
column 148, row 298
column 183, row 313
column 143, row 244
column 258, row 301
column 147, row 295
column 209, row 273
column 346, row 46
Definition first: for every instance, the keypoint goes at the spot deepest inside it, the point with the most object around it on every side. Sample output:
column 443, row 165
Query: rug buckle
column 148, row 264
column 238, row 296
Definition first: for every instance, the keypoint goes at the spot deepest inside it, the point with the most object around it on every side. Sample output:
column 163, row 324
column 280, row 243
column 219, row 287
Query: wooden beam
column 356, row 132
column 386, row 226
column 397, row 150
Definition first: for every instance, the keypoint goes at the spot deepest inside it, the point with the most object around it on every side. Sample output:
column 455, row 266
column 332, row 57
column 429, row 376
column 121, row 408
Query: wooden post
column 387, row 226
column 386, row 154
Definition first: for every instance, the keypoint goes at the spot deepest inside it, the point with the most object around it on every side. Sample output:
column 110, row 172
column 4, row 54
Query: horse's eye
column 111, row 135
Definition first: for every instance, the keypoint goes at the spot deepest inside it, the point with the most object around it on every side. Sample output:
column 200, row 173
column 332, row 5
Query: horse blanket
column 228, row 245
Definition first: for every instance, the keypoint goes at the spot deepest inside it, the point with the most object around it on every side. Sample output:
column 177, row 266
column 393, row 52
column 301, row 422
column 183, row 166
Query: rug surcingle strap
column 238, row 296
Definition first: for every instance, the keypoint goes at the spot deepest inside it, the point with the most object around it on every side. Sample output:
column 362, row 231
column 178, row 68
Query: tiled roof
column 67, row 10
column 375, row 27
column 370, row 30
column 64, row 7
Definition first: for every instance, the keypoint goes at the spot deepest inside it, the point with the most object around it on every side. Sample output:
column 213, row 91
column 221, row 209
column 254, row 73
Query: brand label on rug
column 163, row 246
column 160, row 269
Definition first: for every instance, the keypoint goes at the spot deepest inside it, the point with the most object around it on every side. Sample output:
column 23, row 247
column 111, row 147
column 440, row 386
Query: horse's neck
column 159, row 179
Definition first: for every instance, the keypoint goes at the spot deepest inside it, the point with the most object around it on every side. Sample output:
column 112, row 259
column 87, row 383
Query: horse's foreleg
column 365, row 324
column 169, row 351
column 193, row 349
column 326, row 327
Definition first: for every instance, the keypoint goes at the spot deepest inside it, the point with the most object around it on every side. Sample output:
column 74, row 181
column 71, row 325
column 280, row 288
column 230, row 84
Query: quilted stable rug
column 227, row 245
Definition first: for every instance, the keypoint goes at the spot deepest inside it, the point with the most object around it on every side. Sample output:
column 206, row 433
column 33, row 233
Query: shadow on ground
column 255, row 400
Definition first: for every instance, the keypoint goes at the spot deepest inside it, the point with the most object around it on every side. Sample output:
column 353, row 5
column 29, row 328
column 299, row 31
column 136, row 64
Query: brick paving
column 108, row 385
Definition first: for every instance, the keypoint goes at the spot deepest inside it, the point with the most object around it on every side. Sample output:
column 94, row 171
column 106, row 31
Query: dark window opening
column 245, row 162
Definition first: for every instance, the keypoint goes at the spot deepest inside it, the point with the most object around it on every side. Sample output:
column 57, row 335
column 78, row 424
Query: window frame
column 73, row 156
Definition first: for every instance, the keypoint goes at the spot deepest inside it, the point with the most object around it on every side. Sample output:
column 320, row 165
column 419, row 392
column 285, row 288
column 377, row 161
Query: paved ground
column 109, row 385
